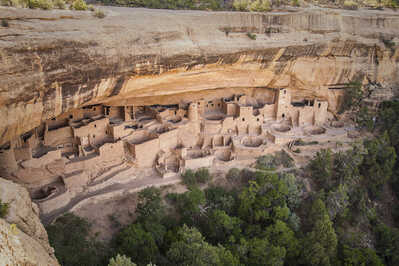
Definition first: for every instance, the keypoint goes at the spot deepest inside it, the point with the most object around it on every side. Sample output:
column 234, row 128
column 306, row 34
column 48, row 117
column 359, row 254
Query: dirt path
column 109, row 191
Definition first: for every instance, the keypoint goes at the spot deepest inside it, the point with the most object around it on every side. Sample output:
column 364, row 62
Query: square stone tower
column 283, row 103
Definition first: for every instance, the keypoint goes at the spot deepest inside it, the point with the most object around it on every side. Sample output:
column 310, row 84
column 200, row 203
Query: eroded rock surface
column 23, row 239
column 53, row 61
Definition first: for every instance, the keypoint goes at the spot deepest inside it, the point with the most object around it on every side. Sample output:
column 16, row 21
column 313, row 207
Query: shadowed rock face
column 51, row 62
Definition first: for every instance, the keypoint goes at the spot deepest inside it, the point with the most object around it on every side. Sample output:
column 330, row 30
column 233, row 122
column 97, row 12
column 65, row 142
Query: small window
column 243, row 119
column 94, row 136
column 283, row 115
column 218, row 104
column 95, row 125
column 70, row 116
column 285, row 92
column 175, row 112
column 199, row 103
column 257, row 119
column 94, row 108
column 319, row 105
column 212, row 105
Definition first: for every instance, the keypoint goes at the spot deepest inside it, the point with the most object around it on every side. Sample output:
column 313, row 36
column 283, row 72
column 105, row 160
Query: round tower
column 193, row 112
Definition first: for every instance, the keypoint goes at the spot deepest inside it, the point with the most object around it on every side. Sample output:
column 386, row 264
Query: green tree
column 378, row 163
column 69, row 236
column 219, row 198
column 135, row 242
column 261, row 252
column 293, row 190
column 192, row 249
column 360, row 256
column 337, row 201
column 264, row 200
column 388, row 243
column 120, row 261
column 190, row 205
column 279, row 234
column 320, row 245
column 352, row 97
column 321, row 168
column 221, row 226
column 149, row 206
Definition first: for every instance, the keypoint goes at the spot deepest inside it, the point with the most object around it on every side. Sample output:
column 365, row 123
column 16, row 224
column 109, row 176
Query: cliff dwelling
column 79, row 150
column 266, row 131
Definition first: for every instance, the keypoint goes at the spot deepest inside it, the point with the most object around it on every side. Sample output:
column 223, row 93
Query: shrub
column 352, row 97
column 390, row 3
column 349, row 4
column 201, row 176
column 4, row 209
column 79, row 5
column 266, row 162
column 252, row 36
column 4, row 23
column 241, row 5
column 99, row 14
column 300, row 142
column 60, row 4
column 260, row 6
column 294, row 2
column 271, row 162
column 233, row 175
column 121, row 261
column 42, row 4
column 189, row 178
column 91, row 8
column 14, row 3
column 284, row 159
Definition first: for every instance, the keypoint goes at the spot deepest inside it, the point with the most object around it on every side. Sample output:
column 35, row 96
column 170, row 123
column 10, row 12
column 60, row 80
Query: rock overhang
column 59, row 60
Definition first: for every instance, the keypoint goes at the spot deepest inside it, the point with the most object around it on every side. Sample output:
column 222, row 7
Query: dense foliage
column 388, row 121
column 72, row 243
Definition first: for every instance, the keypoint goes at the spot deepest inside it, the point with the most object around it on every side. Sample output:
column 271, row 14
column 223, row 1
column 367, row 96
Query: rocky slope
column 23, row 239
column 52, row 61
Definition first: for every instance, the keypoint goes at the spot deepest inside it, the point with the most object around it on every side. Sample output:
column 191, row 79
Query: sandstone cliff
column 52, row 61
column 23, row 239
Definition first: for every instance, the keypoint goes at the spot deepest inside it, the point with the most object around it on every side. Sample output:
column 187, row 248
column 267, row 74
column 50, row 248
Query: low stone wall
column 199, row 162
column 42, row 161
column 55, row 203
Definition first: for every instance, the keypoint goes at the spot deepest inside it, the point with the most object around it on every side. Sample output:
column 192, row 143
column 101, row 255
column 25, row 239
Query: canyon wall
column 23, row 239
column 51, row 62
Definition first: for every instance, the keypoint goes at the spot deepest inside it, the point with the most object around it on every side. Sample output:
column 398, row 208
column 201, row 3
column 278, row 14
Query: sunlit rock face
column 23, row 239
column 54, row 61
